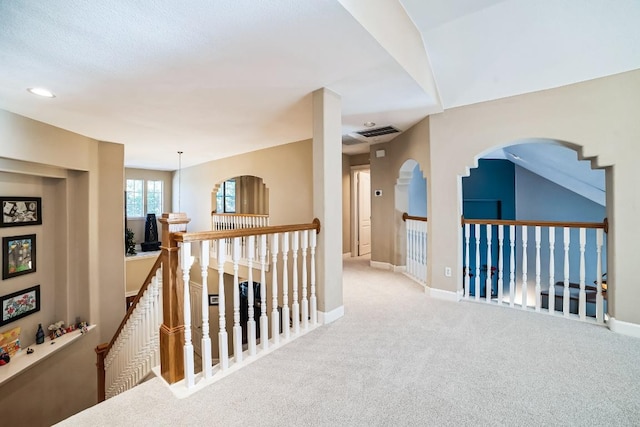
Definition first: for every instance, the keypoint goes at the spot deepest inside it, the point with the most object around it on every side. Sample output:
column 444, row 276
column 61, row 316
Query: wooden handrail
column 102, row 350
column 240, row 214
column 243, row 232
column 406, row 216
column 604, row 224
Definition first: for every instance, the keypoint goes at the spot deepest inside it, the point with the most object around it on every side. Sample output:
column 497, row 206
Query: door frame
column 355, row 216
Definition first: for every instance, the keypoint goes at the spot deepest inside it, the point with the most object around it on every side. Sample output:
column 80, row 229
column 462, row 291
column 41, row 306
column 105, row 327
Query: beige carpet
column 399, row 358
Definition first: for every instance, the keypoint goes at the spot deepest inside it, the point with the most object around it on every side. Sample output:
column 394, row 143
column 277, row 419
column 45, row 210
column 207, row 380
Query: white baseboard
column 442, row 294
column 331, row 316
column 624, row 328
column 399, row 268
column 380, row 265
column 346, row 255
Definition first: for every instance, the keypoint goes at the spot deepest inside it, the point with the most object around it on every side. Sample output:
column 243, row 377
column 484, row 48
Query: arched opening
column 244, row 194
column 543, row 187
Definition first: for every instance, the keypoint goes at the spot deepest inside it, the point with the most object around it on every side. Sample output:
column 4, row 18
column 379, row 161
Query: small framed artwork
column 21, row 211
column 213, row 299
column 20, row 304
column 18, row 255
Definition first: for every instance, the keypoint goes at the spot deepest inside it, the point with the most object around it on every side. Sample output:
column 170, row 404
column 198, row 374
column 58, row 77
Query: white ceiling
column 214, row 79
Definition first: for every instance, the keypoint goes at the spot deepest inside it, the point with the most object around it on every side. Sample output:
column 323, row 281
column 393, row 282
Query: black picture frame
column 18, row 255
column 214, row 299
column 19, row 304
column 20, row 211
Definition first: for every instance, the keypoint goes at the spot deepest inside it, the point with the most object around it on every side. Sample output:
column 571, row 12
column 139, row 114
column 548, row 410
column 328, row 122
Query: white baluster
column 305, row 302
column 477, row 279
column 500, row 263
column 599, row 297
column 207, row 365
column 251, row 322
column 408, row 246
column 223, row 344
column 312, row 296
column 423, row 228
column 512, row 265
column 285, row 285
column 552, row 266
column 467, row 267
column 566, row 295
column 582, row 302
column 538, row 289
column 275, row 318
column 488, row 280
column 295, row 306
column 264, row 319
column 237, row 329
column 185, row 264
column 525, row 238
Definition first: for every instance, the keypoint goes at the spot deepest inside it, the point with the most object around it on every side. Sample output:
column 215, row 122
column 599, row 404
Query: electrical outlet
column 447, row 271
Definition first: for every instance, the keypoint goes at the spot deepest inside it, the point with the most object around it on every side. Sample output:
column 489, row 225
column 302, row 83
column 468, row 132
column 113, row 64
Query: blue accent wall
column 492, row 181
column 417, row 194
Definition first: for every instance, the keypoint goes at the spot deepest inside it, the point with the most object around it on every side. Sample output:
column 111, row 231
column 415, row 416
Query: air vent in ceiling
column 372, row 133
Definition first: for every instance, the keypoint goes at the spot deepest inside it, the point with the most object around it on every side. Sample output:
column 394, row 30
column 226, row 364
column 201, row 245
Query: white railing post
column 312, row 297
column 566, row 295
column 223, row 349
column 477, row 279
column 552, row 266
column 467, row 266
column 207, row 366
column 185, row 264
column 237, row 329
column 305, row 302
column 264, row 319
column 489, row 278
column 582, row 300
column 251, row 322
column 275, row 317
column 295, row 307
column 525, row 238
column 500, row 263
column 512, row 265
column 285, row 285
column 599, row 297
column 538, row 289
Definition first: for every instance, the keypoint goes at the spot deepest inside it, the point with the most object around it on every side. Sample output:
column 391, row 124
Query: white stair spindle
column 582, row 301
column 467, row 267
column 525, row 238
column 275, row 317
column 285, row 285
column 512, row 265
column 237, row 329
column 552, row 266
column 566, row 295
column 207, row 366
column 477, row 279
column 295, row 306
column 264, row 319
column 305, row 302
column 488, row 279
column 599, row 296
column 251, row 322
column 538, row 237
column 185, row 264
column 500, row 263
column 223, row 344
column 313, row 302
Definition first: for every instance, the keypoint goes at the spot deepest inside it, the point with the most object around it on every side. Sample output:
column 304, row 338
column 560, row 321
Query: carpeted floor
column 400, row 358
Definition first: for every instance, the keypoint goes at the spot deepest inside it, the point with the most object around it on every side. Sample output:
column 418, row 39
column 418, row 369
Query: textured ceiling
column 214, row 79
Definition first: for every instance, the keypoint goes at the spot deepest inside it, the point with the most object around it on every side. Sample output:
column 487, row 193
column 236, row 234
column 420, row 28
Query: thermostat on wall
column 380, row 153
column 377, row 193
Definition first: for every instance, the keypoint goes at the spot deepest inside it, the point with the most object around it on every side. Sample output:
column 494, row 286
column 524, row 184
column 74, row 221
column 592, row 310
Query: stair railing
column 416, row 247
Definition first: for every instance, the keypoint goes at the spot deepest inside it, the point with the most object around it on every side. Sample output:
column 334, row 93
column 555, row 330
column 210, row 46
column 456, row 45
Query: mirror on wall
column 244, row 194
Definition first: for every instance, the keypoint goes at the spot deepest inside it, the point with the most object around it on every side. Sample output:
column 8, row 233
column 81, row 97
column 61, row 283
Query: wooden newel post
column 172, row 329
column 101, row 351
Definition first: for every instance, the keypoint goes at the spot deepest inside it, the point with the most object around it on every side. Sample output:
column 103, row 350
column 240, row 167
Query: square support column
column 327, row 201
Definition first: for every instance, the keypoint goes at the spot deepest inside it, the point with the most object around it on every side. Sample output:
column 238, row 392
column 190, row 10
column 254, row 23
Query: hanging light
column 179, row 179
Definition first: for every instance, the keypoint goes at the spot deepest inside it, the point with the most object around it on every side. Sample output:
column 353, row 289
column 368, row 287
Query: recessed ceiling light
column 40, row 91
column 515, row 157
column 369, row 124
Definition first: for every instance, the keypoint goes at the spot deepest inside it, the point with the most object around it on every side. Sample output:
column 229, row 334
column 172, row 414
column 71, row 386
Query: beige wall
column 387, row 226
column 600, row 115
column 137, row 224
column 80, row 254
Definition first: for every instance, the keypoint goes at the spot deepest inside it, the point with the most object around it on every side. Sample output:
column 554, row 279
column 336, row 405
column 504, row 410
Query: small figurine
column 39, row 335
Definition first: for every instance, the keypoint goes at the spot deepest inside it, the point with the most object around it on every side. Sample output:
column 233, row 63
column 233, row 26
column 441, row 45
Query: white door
column 364, row 213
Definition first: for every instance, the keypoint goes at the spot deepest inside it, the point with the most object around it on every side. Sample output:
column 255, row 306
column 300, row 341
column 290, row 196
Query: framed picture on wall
column 18, row 255
column 19, row 304
column 21, row 211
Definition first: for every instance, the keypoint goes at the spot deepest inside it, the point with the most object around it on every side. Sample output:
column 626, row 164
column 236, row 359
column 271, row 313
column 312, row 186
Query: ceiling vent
column 372, row 133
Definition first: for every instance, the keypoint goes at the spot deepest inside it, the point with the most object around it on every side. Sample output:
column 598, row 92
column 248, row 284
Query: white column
column 205, row 343
column 327, row 185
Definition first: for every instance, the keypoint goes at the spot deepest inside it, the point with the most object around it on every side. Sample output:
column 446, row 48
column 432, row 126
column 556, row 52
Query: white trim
column 346, row 255
column 624, row 328
column 354, row 205
column 399, row 268
column 442, row 294
column 333, row 315
column 380, row 265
